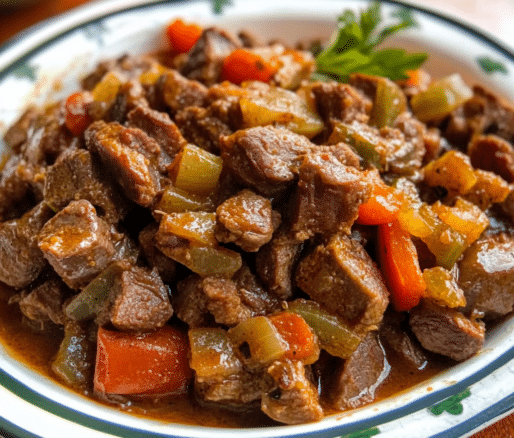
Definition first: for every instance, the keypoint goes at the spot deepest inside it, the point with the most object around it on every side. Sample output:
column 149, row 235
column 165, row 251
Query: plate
column 46, row 63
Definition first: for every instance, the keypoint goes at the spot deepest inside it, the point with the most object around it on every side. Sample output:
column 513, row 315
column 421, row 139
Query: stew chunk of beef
column 126, row 153
column 275, row 263
column 357, row 378
column 44, row 304
column 328, row 196
column 21, row 260
column 199, row 300
column 446, row 331
column 486, row 276
column 246, row 219
column 342, row 276
column 75, row 175
column 205, row 59
column 264, row 158
column 141, row 301
column 296, row 399
column 77, row 243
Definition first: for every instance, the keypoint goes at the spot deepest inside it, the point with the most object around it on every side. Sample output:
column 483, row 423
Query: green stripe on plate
column 61, row 411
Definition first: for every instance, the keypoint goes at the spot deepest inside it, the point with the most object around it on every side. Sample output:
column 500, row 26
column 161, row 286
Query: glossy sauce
column 38, row 349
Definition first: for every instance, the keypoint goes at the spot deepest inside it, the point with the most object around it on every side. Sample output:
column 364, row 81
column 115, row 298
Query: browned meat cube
column 21, row 260
column 77, row 243
column 246, row 219
column 154, row 257
column 180, row 92
column 341, row 101
column 141, row 301
column 446, row 331
column 407, row 140
column 486, row 275
column 126, row 152
column 342, row 276
column 16, row 135
column 201, row 127
column 76, row 176
column 264, row 158
column 484, row 113
column 328, row 196
column 275, row 263
column 49, row 137
column 237, row 391
column 160, row 127
column 395, row 335
column 16, row 181
column 295, row 399
column 205, row 59
column 44, row 304
column 493, row 153
column 199, row 300
column 357, row 378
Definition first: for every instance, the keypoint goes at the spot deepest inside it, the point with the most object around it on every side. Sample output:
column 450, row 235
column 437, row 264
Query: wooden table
column 14, row 20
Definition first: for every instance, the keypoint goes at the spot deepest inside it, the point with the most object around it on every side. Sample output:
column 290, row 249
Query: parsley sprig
column 354, row 47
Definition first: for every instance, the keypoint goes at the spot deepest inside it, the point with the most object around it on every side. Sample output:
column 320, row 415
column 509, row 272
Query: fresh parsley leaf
column 354, row 47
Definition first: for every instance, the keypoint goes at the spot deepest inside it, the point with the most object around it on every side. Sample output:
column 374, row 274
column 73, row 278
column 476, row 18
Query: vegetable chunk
column 155, row 363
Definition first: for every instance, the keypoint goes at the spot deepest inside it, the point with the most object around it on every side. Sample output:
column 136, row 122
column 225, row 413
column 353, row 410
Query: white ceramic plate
column 454, row 404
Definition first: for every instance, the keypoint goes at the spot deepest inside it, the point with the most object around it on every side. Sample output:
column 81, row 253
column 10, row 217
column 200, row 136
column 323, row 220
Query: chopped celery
column 262, row 337
column 282, row 107
column 91, row 299
column 175, row 200
column 446, row 244
column 366, row 141
column 196, row 171
column 390, row 102
column 335, row 336
column 74, row 361
column 212, row 353
column 206, row 260
column 442, row 288
column 440, row 98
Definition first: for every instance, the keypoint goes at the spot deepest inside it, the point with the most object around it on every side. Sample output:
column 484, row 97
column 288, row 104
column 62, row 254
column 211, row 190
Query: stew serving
column 213, row 226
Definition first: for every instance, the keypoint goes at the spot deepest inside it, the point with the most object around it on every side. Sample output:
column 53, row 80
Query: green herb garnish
column 354, row 48
column 218, row 5
column 490, row 66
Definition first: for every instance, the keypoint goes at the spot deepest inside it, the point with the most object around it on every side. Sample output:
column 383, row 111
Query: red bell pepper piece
column 244, row 65
column 181, row 36
column 400, row 266
column 153, row 363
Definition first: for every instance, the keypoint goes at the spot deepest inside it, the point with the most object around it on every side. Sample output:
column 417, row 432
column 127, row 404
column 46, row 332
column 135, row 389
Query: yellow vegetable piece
column 453, row 170
column 465, row 218
column 196, row 171
column 489, row 189
column 213, row 353
column 281, row 107
column 196, row 227
column 266, row 344
column 442, row 288
column 107, row 89
column 440, row 98
column 175, row 200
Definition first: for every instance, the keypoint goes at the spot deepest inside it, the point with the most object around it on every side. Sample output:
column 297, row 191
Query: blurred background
column 494, row 16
